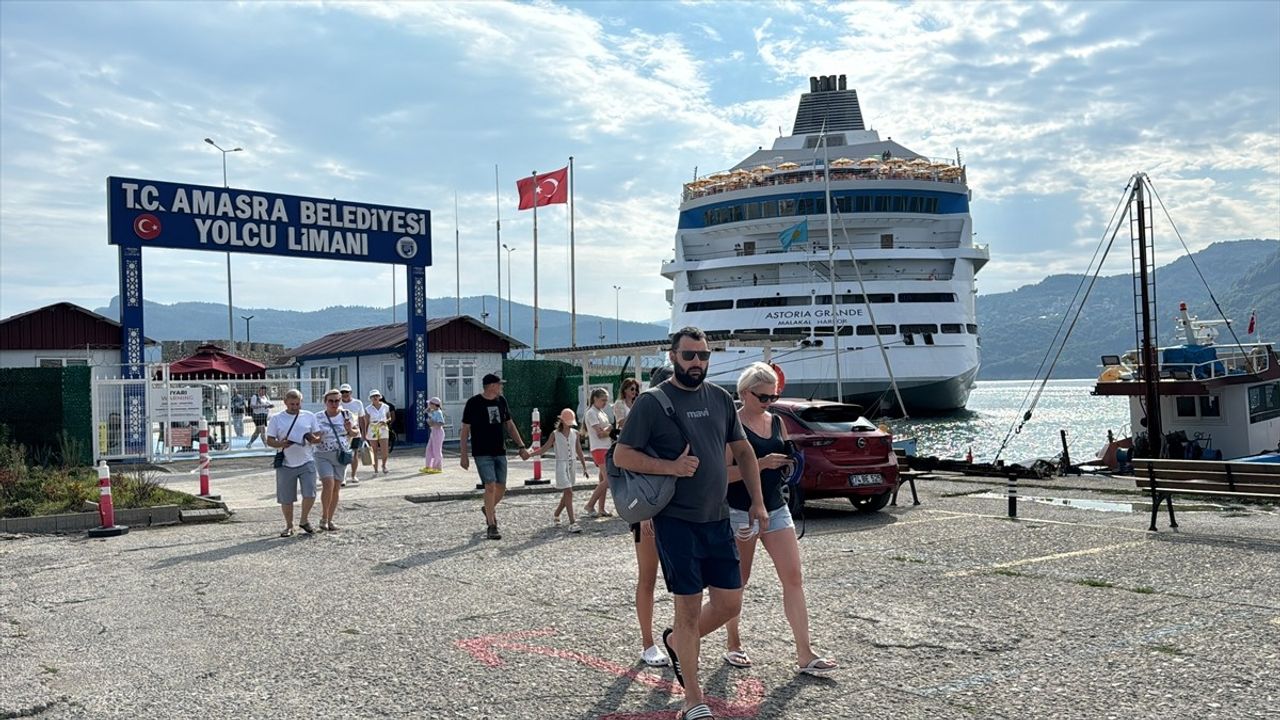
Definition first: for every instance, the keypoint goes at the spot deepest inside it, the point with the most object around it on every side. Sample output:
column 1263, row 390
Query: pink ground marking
column 750, row 691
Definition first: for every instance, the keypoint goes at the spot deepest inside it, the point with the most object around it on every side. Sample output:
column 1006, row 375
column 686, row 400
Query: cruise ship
column 743, row 266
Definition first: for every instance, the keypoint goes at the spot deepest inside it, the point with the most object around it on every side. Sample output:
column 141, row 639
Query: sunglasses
column 766, row 398
column 689, row 355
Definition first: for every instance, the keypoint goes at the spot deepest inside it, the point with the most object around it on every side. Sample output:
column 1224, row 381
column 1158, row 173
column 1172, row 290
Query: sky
column 1053, row 107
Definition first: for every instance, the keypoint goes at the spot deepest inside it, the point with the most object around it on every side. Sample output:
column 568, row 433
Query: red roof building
column 63, row 334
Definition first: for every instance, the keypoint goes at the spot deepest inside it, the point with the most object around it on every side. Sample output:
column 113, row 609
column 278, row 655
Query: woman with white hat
column 379, row 424
column 434, row 459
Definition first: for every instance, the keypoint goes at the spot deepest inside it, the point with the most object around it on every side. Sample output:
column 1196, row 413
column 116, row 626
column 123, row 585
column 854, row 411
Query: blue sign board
column 149, row 213
column 153, row 214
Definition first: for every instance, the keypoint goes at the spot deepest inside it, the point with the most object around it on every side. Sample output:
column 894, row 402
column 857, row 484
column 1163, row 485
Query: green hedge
column 49, row 411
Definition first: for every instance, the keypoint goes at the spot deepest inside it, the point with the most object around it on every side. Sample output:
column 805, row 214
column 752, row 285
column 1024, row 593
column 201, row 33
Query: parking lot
column 943, row 610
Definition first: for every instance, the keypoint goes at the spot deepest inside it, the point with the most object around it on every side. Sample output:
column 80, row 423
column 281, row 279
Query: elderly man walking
column 693, row 535
column 293, row 432
column 485, row 419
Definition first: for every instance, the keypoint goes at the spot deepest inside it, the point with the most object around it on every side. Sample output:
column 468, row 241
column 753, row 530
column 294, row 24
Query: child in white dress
column 564, row 440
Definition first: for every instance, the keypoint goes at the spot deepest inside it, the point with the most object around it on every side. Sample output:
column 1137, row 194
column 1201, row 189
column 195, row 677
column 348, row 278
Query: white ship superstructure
column 904, row 218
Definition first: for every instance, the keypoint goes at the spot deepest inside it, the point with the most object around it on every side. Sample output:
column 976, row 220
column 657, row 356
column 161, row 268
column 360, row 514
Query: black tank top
column 770, row 480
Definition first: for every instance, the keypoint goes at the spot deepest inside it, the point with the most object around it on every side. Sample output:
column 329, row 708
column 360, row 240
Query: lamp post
column 510, row 327
column 231, row 333
column 246, row 319
column 617, row 289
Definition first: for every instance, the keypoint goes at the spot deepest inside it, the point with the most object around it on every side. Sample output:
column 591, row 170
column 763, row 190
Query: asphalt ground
column 943, row 610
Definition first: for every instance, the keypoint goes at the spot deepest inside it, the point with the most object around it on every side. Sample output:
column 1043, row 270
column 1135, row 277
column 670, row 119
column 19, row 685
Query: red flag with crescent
column 546, row 189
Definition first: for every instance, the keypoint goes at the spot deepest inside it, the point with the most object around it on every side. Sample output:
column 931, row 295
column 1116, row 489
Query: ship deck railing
column 1232, row 361
column 748, row 281
column 814, row 248
column 726, row 182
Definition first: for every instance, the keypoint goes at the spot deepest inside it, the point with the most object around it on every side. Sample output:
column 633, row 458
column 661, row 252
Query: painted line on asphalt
column 1045, row 558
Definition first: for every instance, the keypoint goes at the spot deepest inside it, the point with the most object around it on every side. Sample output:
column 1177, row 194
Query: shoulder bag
column 344, row 455
column 639, row 496
column 278, row 460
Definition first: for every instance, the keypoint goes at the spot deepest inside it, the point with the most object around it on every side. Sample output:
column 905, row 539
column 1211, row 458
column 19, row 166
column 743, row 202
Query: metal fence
column 157, row 417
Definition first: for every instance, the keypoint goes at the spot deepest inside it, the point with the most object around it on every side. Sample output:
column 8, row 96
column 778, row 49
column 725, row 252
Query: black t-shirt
column 487, row 420
column 707, row 414
column 770, row 480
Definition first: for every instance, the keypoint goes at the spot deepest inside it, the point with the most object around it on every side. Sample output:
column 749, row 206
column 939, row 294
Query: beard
column 691, row 378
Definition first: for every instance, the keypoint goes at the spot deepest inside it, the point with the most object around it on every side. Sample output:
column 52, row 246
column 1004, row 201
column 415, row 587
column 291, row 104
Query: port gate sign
column 155, row 214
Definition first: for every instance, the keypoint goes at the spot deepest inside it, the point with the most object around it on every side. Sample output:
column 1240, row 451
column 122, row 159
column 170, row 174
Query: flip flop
column 697, row 712
column 306, row 528
column 818, row 667
column 287, row 533
column 737, row 658
column 671, row 653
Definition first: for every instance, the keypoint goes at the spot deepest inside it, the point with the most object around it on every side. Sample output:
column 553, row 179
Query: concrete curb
column 204, row 516
column 80, row 522
column 511, row 490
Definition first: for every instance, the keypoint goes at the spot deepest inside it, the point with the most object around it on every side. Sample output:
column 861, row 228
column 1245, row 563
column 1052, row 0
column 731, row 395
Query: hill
column 291, row 328
column 1017, row 327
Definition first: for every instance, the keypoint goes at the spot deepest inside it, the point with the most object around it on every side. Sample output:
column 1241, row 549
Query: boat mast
column 1146, row 288
column 831, row 263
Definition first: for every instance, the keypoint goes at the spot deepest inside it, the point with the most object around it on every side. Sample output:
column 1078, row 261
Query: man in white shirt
column 354, row 406
column 293, row 432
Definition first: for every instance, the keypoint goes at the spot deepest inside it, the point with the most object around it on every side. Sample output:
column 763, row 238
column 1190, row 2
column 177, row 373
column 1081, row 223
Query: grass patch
column 905, row 559
column 29, row 487
column 1089, row 582
column 48, row 670
column 1144, row 590
column 1008, row 573
column 1167, row 650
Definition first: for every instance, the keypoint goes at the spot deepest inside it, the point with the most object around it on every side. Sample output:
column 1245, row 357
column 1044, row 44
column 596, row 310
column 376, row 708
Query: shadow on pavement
column 409, row 562
column 249, row 547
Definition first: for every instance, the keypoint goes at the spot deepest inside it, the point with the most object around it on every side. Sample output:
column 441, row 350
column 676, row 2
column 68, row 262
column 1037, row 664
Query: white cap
column 372, row 393
column 344, row 388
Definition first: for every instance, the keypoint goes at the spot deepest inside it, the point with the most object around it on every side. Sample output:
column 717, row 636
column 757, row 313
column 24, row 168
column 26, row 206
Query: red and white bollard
column 537, row 446
column 106, row 509
column 204, row 462
column 968, row 456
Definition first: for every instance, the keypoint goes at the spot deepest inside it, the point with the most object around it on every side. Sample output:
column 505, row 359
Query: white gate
column 169, row 428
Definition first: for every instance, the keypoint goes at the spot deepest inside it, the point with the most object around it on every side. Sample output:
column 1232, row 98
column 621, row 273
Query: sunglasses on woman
column 689, row 355
column 766, row 398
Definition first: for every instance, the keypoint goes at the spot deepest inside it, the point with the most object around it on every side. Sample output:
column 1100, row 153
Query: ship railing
column 719, row 183
column 1230, row 361
column 749, row 281
column 817, row 248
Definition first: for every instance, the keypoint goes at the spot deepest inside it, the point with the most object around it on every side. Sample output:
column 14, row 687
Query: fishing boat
column 1217, row 401
column 864, row 264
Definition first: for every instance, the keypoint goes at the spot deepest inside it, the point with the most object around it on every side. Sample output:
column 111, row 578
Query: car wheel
column 871, row 503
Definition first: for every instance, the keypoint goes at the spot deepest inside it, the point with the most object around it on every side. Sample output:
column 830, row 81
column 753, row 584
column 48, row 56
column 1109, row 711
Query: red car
column 845, row 455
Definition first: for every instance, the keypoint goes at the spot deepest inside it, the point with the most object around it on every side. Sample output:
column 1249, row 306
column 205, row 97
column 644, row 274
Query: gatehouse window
column 459, row 379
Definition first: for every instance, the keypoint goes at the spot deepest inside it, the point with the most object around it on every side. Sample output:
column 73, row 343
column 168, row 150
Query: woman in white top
column 629, row 391
column 564, row 439
column 378, row 415
column 599, row 437
column 337, row 427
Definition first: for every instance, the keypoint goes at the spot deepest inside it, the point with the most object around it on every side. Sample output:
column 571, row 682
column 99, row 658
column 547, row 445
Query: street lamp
column 231, row 334
column 246, row 319
column 617, row 289
column 510, row 327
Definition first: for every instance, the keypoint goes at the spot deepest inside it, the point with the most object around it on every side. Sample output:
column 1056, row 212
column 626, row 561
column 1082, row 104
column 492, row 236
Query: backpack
column 639, row 496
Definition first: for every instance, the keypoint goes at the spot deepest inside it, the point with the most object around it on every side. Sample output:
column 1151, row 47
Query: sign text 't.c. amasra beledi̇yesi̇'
column 227, row 217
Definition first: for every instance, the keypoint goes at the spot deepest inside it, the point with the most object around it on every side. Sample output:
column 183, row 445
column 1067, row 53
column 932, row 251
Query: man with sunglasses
column 694, row 539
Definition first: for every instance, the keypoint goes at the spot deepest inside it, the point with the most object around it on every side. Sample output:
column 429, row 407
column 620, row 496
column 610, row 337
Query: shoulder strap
column 661, row 396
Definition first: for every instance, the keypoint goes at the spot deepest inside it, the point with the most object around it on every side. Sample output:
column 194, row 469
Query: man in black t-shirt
column 692, row 533
column 484, row 420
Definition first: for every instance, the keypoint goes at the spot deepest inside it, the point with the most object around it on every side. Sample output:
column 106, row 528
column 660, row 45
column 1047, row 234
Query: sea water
column 996, row 406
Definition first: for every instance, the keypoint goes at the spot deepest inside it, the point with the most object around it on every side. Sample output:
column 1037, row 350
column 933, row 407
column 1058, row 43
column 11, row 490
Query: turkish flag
column 548, row 189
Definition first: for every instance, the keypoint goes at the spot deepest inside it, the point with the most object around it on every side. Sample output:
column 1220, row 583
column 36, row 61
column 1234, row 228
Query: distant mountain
column 291, row 328
column 1017, row 327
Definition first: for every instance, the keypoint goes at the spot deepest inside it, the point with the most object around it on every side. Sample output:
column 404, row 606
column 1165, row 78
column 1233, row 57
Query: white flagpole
column 457, row 256
column 535, row 263
column 573, row 275
column 497, row 242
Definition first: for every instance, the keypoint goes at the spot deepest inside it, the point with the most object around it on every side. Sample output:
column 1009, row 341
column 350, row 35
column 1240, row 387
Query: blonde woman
column 337, row 427
column 758, row 389
column 378, row 429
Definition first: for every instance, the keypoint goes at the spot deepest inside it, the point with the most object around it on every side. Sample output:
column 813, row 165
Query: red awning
column 212, row 362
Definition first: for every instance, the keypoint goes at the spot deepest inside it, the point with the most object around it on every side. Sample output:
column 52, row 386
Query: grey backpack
column 639, row 496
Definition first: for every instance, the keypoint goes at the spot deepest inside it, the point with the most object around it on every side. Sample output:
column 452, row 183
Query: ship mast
column 1140, row 228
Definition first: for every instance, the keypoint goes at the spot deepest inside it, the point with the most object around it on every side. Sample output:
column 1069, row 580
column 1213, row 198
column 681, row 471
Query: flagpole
column 457, row 256
column 535, row 263
column 573, row 275
column 831, row 264
column 497, row 242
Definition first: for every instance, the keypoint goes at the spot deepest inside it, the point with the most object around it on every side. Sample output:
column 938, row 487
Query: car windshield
column 835, row 418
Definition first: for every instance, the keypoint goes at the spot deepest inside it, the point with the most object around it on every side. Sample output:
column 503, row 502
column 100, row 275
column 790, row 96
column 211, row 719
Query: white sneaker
column 573, row 528
column 653, row 656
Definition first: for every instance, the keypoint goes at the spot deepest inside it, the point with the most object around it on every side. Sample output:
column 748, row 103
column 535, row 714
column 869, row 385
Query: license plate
column 873, row 479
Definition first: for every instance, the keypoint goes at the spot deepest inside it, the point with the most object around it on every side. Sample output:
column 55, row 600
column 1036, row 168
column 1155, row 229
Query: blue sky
column 1052, row 105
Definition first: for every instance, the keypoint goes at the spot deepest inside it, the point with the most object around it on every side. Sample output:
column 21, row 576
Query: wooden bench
column 906, row 475
column 1165, row 478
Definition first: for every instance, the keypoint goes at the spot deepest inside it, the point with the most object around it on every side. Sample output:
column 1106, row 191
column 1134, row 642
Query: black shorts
column 695, row 556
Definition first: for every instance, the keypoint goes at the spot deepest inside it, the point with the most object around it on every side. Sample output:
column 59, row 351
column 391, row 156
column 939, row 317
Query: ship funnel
column 813, row 83
column 842, row 83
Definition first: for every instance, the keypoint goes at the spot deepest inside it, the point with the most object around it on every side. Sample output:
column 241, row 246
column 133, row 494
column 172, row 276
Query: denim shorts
column 696, row 555
column 327, row 465
column 779, row 519
column 289, row 479
column 492, row 468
